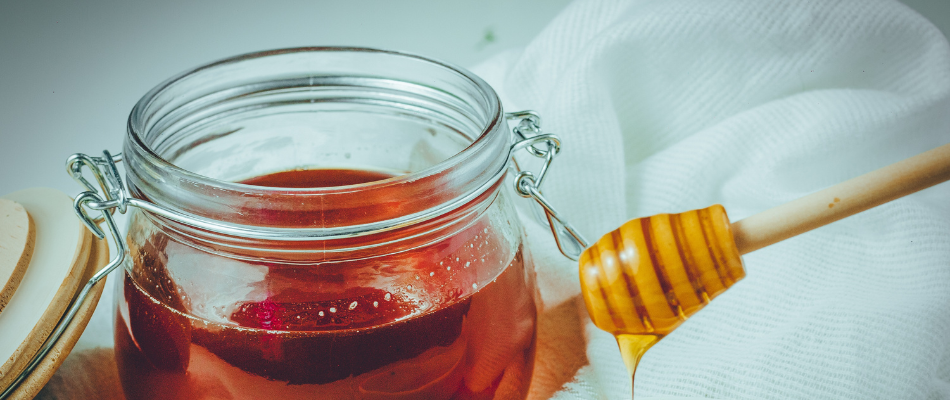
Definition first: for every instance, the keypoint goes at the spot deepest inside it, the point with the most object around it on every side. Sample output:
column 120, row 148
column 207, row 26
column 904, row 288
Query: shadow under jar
column 370, row 248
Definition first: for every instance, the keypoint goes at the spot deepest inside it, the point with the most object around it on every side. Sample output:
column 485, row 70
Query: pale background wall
column 937, row 11
column 70, row 72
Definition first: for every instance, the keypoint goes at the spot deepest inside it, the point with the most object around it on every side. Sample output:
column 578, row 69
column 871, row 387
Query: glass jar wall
column 357, row 239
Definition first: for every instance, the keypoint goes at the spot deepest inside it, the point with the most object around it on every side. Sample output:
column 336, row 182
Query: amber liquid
column 632, row 349
column 316, row 337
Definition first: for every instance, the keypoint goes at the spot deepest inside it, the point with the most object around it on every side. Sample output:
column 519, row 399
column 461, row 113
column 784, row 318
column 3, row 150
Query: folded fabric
column 666, row 106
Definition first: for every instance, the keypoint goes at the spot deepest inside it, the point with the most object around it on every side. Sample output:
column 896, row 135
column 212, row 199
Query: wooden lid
column 17, row 237
column 30, row 387
column 63, row 248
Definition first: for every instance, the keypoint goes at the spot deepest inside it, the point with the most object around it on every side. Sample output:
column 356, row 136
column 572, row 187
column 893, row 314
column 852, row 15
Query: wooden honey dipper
column 644, row 279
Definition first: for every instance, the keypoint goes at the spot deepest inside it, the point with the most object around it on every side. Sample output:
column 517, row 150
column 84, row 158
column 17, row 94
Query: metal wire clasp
column 546, row 146
column 111, row 195
column 110, row 183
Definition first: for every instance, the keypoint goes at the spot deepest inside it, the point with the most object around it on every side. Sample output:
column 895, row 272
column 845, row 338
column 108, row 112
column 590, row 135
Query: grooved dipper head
column 651, row 274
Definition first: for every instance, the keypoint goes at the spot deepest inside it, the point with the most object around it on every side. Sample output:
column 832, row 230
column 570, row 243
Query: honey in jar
column 317, row 271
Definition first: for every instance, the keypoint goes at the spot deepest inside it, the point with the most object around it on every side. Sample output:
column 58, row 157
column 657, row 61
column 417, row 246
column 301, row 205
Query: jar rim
column 134, row 135
column 478, row 166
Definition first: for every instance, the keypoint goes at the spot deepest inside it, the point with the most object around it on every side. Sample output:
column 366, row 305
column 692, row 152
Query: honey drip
column 641, row 281
column 632, row 348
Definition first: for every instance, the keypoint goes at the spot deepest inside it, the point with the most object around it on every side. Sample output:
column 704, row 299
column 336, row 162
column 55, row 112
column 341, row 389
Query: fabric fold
column 666, row 106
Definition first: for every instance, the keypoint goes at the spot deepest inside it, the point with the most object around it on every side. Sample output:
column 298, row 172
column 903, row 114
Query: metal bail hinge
column 110, row 184
column 545, row 146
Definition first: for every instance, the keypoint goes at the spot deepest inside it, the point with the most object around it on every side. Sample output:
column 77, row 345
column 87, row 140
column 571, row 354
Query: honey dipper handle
column 843, row 200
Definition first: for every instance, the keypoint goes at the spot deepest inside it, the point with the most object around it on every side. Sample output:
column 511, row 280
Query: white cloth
column 666, row 106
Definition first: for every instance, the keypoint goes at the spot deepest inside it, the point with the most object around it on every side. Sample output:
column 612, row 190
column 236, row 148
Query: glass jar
column 411, row 284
